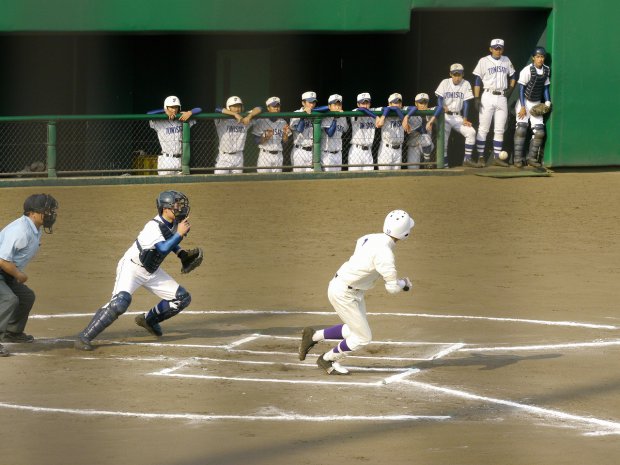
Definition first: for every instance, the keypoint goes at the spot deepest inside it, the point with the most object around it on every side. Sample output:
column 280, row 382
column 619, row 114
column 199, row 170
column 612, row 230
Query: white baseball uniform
column 170, row 135
column 130, row 274
column 419, row 143
column 524, row 78
column 270, row 152
column 392, row 137
column 495, row 76
column 331, row 146
column 232, row 136
column 454, row 96
column 302, row 143
column 362, row 138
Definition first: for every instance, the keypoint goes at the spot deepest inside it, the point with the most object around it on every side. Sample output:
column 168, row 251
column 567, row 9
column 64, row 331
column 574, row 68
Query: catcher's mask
column 176, row 201
column 42, row 203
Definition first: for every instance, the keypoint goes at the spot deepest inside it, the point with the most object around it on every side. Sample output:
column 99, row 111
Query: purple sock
column 342, row 347
column 335, row 332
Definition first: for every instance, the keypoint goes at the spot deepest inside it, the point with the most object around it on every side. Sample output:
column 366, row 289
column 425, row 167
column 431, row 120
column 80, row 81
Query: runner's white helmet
column 398, row 224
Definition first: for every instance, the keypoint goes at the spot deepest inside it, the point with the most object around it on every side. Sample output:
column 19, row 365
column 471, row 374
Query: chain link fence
column 113, row 145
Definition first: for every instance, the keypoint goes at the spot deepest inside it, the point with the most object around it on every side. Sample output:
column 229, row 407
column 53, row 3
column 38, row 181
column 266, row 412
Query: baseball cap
column 309, row 96
column 456, row 68
column 363, row 96
column 172, row 101
column 234, row 100
column 497, row 43
column 272, row 101
column 421, row 96
column 394, row 97
column 334, row 98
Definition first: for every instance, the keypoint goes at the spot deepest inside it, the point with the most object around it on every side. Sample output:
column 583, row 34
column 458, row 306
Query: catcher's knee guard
column 107, row 315
column 520, row 134
column 537, row 140
column 169, row 308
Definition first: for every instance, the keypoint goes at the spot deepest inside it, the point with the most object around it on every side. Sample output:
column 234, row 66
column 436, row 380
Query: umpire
column 19, row 242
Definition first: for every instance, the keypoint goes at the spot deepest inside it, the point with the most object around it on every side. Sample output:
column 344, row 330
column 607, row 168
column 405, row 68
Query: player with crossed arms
column 303, row 134
column 392, row 133
column 493, row 72
column 533, row 87
column 362, row 135
column 454, row 94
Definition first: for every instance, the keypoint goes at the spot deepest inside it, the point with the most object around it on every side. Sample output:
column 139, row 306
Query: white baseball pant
column 359, row 156
column 350, row 306
column 130, row 276
column 228, row 163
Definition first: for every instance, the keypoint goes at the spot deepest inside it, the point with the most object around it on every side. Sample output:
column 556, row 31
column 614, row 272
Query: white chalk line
column 406, row 315
column 610, row 427
column 575, row 345
column 212, row 417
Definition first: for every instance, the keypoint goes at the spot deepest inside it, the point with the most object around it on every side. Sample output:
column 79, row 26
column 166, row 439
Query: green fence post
column 316, row 146
column 441, row 126
column 185, row 158
column 51, row 149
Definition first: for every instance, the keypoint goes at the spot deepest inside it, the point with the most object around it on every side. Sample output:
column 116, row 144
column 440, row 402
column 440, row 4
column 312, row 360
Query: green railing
column 63, row 146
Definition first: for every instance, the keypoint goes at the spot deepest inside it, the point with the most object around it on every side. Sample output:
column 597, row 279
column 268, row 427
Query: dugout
column 73, row 57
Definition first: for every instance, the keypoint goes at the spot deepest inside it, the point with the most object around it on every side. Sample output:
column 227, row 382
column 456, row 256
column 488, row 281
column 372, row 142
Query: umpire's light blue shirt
column 19, row 242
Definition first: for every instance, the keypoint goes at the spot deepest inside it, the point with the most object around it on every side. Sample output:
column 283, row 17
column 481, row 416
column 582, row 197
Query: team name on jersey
column 368, row 125
column 236, row 129
column 455, row 95
column 395, row 124
column 174, row 129
column 497, row 69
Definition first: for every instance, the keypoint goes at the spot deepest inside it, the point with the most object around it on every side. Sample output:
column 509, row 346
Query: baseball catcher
column 190, row 259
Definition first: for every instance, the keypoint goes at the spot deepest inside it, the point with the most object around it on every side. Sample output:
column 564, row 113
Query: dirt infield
column 506, row 352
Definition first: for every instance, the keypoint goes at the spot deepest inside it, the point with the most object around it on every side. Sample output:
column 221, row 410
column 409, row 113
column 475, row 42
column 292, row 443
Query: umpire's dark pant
column 16, row 301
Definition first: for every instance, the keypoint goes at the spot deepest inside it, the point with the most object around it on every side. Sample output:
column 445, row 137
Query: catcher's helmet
column 398, row 224
column 42, row 203
column 539, row 51
column 176, row 201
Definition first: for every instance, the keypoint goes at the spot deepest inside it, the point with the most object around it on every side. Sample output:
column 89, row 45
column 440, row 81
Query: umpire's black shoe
column 4, row 352
column 331, row 368
column 154, row 328
column 16, row 337
column 81, row 343
column 306, row 342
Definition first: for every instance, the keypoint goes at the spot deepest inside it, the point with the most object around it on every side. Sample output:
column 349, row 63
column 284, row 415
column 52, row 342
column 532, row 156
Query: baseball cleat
column 306, row 342
column 331, row 368
column 533, row 163
column 497, row 162
column 481, row 162
column 81, row 343
column 154, row 328
column 518, row 164
column 470, row 163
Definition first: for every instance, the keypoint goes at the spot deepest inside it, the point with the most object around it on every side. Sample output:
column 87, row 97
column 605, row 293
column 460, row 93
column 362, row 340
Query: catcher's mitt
column 539, row 109
column 190, row 259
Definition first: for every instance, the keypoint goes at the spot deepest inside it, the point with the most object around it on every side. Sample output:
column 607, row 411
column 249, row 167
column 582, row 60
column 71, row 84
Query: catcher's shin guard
column 166, row 309
column 536, row 142
column 107, row 315
column 520, row 134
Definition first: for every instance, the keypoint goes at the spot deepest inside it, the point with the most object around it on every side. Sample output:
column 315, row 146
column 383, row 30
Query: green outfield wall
column 119, row 56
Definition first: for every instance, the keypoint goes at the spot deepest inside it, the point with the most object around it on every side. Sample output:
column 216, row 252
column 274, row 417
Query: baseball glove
column 190, row 259
column 539, row 109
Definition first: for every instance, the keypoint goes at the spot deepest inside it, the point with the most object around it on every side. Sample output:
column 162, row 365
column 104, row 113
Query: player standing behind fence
column 419, row 131
column 19, row 242
column 362, row 135
column 303, row 134
column 454, row 94
column 392, row 133
column 334, row 127
column 533, row 87
column 372, row 259
column 269, row 134
column 140, row 267
column 493, row 72
column 232, row 134
column 170, row 135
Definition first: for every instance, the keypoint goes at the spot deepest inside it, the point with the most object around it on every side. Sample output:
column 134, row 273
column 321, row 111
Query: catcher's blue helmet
column 539, row 51
column 176, row 201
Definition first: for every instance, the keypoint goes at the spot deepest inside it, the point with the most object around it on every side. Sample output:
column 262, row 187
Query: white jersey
column 454, row 95
column 148, row 237
column 333, row 143
column 392, row 131
column 264, row 124
column 170, row 134
column 373, row 258
column 525, row 75
column 306, row 137
column 494, row 73
column 232, row 134
column 418, row 128
column 362, row 129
